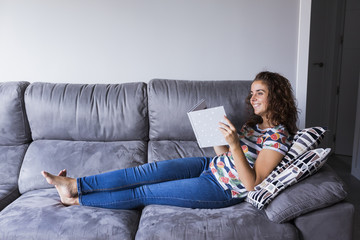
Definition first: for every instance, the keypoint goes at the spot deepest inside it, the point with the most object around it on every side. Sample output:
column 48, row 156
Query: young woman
column 200, row 182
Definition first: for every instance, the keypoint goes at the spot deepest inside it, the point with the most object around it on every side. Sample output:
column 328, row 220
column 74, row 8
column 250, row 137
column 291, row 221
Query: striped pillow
column 307, row 164
column 304, row 140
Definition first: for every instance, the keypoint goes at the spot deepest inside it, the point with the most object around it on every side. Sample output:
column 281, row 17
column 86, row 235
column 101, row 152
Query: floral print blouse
column 252, row 141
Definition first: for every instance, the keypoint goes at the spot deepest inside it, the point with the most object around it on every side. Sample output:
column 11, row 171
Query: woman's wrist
column 235, row 147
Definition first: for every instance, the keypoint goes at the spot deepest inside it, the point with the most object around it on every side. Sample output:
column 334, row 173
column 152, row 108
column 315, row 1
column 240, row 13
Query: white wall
column 114, row 41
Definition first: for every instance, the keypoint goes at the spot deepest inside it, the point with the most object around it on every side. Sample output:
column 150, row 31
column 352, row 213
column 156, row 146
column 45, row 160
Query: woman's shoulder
column 279, row 129
column 280, row 132
column 246, row 129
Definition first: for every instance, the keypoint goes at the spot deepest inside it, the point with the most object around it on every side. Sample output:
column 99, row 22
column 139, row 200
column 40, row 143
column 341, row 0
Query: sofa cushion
column 175, row 98
column 78, row 157
column 304, row 140
column 165, row 150
column 14, row 126
column 322, row 189
column 8, row 193
column 40, row 215
column 282, row 176
column 302, row 167
column 82, row 112
column 11, row 158
column 241, row 221
column 332, row 223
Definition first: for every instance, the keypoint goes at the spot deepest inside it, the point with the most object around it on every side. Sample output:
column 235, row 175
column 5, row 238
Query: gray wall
column 355, row 168
column 112, row 41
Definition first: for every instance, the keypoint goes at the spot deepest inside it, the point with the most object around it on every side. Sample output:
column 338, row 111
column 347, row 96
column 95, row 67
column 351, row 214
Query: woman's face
column 259, row 98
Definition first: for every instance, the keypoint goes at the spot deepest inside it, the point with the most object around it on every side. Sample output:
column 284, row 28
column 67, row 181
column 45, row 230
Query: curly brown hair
column 281, row 102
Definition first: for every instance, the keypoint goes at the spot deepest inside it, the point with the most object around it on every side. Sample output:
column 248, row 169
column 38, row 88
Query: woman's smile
column 259, row 98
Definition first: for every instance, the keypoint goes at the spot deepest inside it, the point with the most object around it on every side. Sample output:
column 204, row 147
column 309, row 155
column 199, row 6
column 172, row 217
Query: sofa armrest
column 335, row 222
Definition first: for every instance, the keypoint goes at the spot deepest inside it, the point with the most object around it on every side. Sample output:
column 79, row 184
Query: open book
column 205, row 123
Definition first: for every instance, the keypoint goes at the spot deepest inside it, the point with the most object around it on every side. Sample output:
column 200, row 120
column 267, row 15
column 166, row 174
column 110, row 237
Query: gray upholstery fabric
column 78, row 157
column 14, row 134
column 8, row 193
column 115, row 112
column 11, row 158
column 241, row 221
column 318, row 191
column 165, row 150
column 331, row 223
column 14, row 126
column 169, row 101
column 39, row 215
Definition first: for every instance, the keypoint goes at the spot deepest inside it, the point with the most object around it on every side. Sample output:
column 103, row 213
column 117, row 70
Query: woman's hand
column 230, row 133
column 266, row 161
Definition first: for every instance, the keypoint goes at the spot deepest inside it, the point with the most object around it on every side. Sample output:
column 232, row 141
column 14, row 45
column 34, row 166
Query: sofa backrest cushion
column 80, row 158
column 83, row 112
column 14, row 126
column 170, row 100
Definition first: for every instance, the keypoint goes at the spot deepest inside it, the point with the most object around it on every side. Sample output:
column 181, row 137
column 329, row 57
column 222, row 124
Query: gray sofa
column 89, row 129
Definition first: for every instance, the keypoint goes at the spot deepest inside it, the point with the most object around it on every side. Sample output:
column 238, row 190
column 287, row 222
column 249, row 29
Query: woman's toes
column 62, row 173
column 49, row 177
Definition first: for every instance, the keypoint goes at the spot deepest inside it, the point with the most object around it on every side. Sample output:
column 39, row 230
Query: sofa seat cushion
column 40, row 215
column 165, row 150
column 80, row 158
column 241, row 221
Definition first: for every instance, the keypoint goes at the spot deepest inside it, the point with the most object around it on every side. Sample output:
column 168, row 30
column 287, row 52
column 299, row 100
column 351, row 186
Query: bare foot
column 62, row 173
column 66, row 187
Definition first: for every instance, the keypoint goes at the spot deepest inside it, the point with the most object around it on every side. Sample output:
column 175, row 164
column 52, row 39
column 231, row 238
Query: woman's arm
column 266, row 161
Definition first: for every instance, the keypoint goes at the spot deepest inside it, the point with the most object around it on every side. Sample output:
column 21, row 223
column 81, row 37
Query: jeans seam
column 129, row 186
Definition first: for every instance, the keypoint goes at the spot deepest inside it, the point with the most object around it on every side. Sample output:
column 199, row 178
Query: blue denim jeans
column 184, row 182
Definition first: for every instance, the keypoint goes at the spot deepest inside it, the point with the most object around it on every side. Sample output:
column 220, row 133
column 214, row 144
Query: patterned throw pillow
column 302, row 167
column 304, row 140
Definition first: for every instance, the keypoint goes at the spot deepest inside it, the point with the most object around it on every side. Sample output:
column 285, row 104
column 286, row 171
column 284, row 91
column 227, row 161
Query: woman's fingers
column 229, row 126
column 226, row 131
column 223, row 125
column 229, row 135
column 232, row 127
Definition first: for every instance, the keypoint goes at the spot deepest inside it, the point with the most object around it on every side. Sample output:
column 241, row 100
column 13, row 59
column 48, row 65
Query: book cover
column 205, row 123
